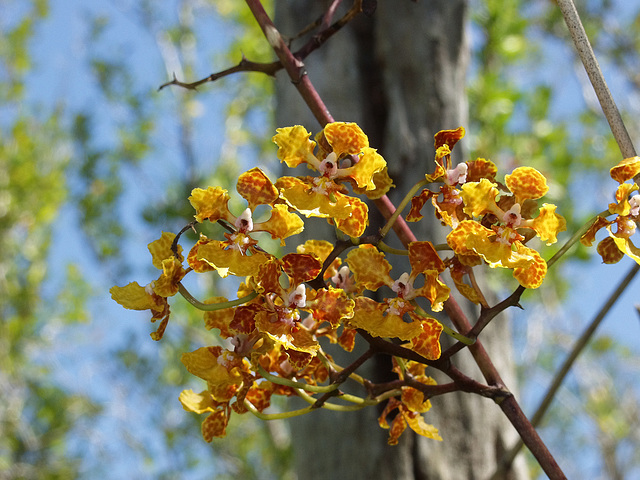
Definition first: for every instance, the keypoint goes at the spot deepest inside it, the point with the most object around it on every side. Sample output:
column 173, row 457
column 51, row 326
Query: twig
column 273, row 67
column 243, row 66
column 561, row 374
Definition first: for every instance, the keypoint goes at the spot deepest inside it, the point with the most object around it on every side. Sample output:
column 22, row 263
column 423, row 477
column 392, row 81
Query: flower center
column 512, row 217
column 634, row 202
column 298, row 298
column 457, row 175
column 244, row 223
column 329, row 166
column 403, row 286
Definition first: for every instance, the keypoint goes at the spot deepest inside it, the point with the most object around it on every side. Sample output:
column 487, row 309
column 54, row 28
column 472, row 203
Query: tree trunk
column 400, row 74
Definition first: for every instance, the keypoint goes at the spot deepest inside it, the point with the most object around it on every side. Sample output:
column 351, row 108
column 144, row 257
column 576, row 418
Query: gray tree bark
column 400, row 75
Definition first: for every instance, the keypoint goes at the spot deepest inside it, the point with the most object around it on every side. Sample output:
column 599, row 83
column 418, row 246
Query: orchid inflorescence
column 270, row 336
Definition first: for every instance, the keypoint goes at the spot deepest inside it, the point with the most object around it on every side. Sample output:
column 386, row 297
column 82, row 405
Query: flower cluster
column 490, row 222
column 627, row 214
column 270, row 337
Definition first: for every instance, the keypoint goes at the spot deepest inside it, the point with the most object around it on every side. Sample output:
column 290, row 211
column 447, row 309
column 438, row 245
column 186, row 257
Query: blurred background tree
column 94, row 163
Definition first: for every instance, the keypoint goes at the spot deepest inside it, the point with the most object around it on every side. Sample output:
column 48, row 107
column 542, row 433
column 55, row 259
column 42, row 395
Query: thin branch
column 575, row 237
column 588, row 58
column 243, row 66
column 533, row 441
column 343, row 375
column 563, row 371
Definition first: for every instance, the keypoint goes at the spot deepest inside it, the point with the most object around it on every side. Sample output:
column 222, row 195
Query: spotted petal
column 136, row 297
column 427, row 343
column 219, row 319
column 423, row 257
column 626, row 169
column 418, row 425
column 210, row 364
column 457, row 240
column 370, row 268
column 481, row 168
column 197, row 402
column 525, row 183
column 172, row 273
column 532, row 275
column 448, row 137
column 215, row 425
column 357, row 221
column 161, row 249
column 256, row 188
column 497, row 253
column 282, row 223
column 282, row 334
column 479, row 197
column 417, row 202
column 332, row 305
column 345, row 138
column 434, row 290
column 369, row 315
column 548, row 224
column 230, row 261
column 301, row 267
column 300, row 194
column 626, row 246
column 211, row 204
column 362, row 172
column 622, row 207
column 609, row 251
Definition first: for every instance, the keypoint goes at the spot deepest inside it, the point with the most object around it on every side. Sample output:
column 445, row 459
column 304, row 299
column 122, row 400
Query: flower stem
column 275, row 416
column 407, row 198
column 387, row 249
column 211, row 307
column 574, row 238
column 291, row 383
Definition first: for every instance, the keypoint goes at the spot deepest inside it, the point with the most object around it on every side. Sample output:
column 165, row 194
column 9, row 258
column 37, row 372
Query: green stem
column 395, row 251
column 407, row 198
column 211, row 307
column 275, row 416
column 359, row 402
column 575, row 237
column 291, row 383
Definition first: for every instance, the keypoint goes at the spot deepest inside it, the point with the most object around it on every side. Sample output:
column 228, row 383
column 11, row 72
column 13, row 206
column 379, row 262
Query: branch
column 588, row 58
column 271, row 68
column 244, row 66
column 563, row 371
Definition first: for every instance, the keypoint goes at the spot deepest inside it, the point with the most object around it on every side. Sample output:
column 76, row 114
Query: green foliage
column 38, row 415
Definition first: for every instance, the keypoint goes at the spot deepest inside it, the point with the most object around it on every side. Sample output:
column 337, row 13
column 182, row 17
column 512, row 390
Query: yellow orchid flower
column 627, row 211
column 325, row 196
column 154, row 295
